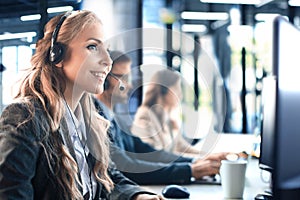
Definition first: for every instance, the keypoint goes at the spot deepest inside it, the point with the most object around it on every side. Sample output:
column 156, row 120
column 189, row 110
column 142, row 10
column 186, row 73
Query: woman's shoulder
column 23, row 106
column 18, row 108
column 21, row 112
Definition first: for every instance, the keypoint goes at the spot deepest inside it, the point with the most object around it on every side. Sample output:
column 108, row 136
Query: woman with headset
column 53, row 143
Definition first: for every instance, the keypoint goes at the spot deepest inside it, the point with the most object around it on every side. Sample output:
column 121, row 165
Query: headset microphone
column 121, row 84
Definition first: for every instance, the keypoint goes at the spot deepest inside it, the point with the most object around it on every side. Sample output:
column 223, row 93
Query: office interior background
column 222, row 48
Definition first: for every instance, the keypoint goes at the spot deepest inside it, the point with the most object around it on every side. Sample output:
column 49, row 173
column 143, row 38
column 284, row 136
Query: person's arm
column 158, row 156
column 148, row 197
column 147, row 127
column 147, row 152
column 136, row 167
column 19, row 153
column 182, row 146
column 125, row 189
column 146, row 172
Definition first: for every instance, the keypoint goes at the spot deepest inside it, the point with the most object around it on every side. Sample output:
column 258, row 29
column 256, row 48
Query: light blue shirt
column 77, row 131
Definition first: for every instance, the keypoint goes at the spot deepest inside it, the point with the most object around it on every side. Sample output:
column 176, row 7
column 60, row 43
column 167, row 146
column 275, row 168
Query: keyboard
column 208, row 180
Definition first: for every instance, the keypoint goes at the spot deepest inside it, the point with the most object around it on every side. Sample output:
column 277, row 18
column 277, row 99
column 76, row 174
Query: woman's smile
column 99, row 75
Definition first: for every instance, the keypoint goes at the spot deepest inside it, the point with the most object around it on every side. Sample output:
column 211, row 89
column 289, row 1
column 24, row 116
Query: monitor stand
column 267, row 195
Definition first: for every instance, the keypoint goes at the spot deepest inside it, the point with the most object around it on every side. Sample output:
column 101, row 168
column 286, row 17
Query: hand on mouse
column 148, row 197
column 207, row 166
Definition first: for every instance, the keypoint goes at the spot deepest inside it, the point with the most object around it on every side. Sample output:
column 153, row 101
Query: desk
column 253, row 185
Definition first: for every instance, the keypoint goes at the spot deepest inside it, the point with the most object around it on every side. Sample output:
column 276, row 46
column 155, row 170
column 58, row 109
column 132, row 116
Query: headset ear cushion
column 57, row 53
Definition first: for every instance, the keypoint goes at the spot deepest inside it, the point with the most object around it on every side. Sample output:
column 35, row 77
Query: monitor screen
column 286, row 68
column 266, row 159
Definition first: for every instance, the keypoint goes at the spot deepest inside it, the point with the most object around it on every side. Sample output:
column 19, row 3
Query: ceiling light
column 59, row 9
column 252, row 2
column 204, row 15
column 9, row 36
column 263, row 2
column 30, row 17
column 49, row 10
column 193, row 28
column 265, row 16
column 294, row 2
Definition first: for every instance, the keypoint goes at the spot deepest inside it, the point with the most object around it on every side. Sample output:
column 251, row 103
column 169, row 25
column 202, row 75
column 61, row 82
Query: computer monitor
column 286, row 69
column 266, row 159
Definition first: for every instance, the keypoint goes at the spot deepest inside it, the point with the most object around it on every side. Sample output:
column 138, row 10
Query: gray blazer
column 25, row 170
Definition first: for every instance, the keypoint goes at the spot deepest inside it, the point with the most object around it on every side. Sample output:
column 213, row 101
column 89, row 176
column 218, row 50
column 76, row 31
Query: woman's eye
column 92, row 47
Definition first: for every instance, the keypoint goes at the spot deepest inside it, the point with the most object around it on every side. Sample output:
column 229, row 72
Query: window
column 15, row 59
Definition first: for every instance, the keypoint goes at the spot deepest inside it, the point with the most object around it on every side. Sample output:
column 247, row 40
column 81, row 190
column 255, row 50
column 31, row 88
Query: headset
column 121, row 84
column 57, row 49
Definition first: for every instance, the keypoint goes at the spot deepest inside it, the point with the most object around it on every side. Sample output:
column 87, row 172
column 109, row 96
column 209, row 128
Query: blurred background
column 222, row 48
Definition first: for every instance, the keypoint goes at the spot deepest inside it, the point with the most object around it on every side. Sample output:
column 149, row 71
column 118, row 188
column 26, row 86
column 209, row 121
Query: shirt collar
column 75, row 121
column 109, row 115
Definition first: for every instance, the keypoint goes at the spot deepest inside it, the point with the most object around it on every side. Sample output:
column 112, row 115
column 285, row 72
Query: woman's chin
column 99, row 89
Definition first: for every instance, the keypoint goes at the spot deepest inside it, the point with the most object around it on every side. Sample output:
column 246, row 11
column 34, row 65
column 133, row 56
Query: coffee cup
column 233, row 178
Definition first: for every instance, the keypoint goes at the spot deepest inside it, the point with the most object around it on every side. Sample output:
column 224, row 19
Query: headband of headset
column 57, row 50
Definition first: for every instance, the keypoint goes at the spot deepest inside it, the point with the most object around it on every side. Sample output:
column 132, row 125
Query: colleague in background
column 50, row 148
column 153, row 121
column 137, row 160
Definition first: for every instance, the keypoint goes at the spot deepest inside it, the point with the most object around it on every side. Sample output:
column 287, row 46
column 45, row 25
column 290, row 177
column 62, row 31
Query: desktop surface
column 254, row 184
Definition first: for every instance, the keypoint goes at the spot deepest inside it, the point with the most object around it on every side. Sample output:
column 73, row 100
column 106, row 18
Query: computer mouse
column 175, row 192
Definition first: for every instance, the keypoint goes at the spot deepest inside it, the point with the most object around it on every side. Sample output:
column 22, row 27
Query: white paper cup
column 233, row 178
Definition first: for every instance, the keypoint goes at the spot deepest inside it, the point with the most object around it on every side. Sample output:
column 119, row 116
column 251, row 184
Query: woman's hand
column 148, row 197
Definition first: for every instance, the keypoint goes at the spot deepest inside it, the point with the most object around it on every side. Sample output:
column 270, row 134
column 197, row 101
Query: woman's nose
column 107, row 61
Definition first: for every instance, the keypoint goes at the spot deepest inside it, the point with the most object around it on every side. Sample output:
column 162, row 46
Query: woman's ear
column 60, row 64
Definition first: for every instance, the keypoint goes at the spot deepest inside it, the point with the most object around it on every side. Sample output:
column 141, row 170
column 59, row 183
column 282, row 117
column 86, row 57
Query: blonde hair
column 45, row 83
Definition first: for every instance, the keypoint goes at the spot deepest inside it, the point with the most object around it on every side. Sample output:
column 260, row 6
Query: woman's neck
column 72, row 98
